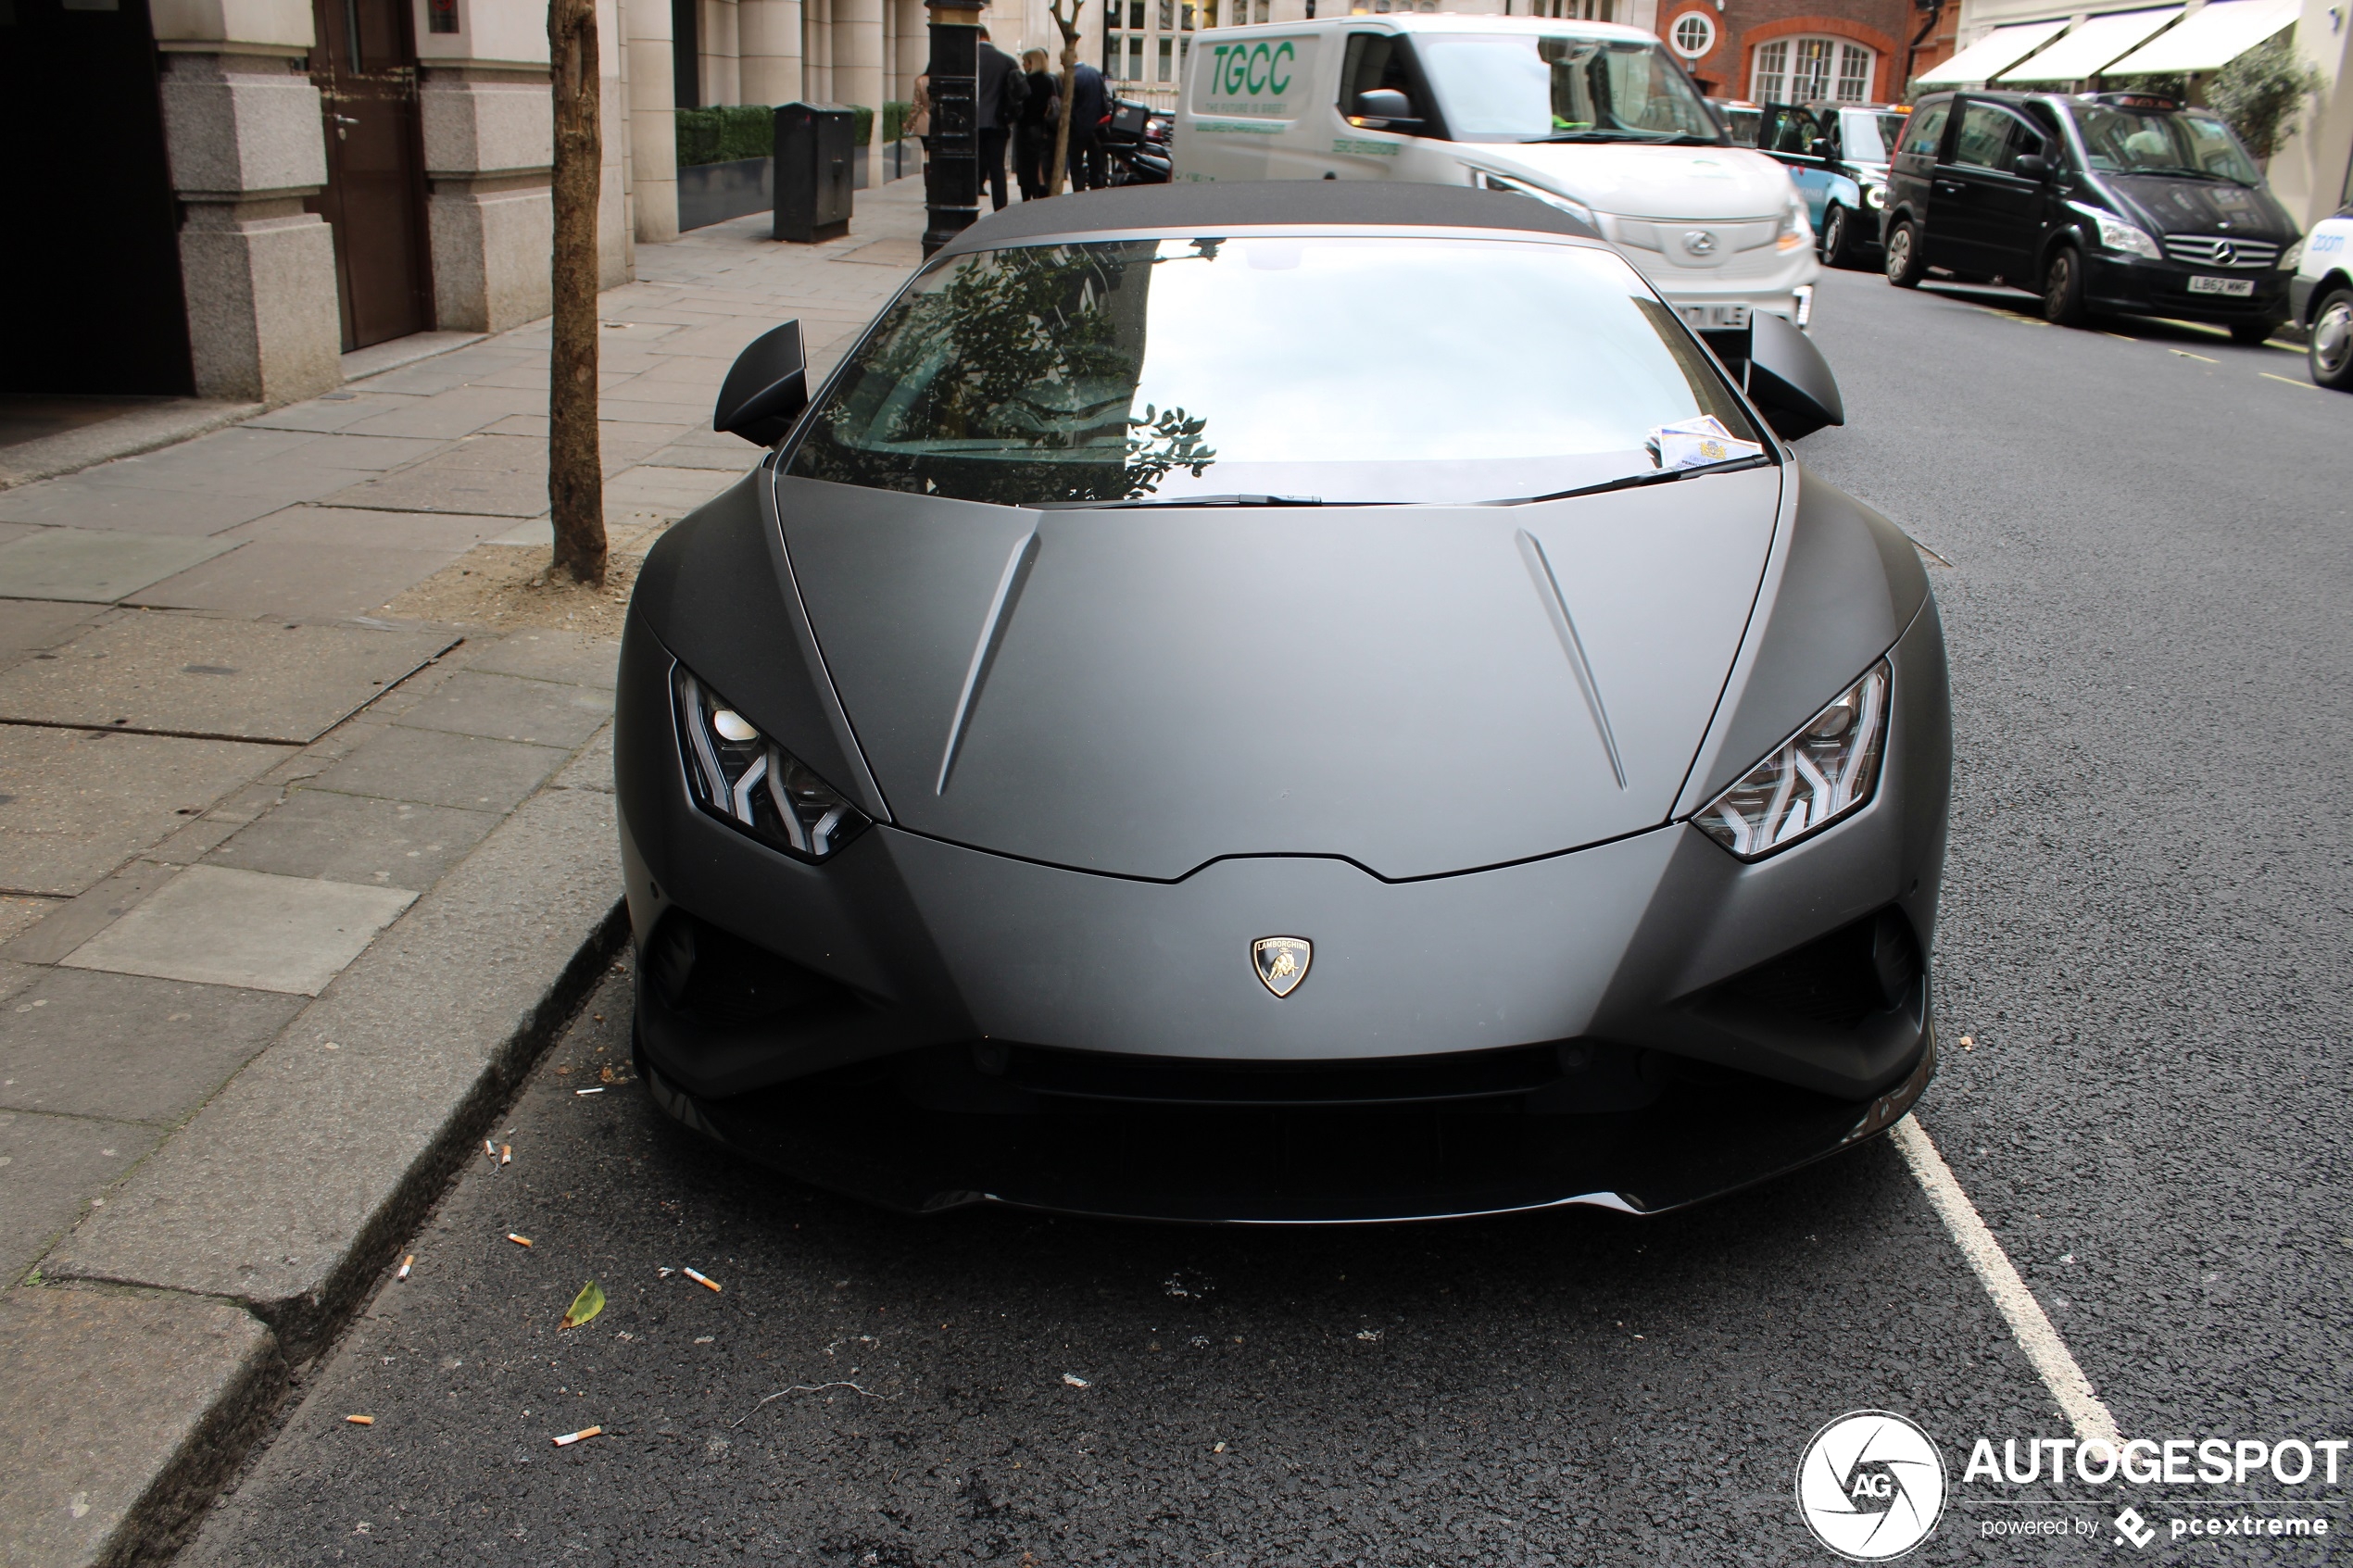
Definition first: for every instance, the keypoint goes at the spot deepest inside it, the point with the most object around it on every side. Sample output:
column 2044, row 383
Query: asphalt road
column 2144, row 939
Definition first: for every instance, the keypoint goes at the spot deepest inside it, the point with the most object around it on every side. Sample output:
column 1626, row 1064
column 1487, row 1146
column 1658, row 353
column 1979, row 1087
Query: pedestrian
column 1089, row 112
column 1034, row 135
column 1002, row 90
column 919, row 115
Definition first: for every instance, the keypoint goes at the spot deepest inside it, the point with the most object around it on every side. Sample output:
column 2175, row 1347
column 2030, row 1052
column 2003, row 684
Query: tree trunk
column 1070, row 77
column 575, row 470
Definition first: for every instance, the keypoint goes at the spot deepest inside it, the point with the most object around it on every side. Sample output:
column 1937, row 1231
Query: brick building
column 1794, row 51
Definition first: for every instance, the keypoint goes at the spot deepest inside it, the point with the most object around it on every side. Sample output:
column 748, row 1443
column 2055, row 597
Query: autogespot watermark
column 1872, row 1484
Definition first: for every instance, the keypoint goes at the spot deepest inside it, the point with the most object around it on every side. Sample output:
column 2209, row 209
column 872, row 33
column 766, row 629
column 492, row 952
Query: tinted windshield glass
column 1346, row 370
column 2118, row 140
column 1520, row 89
column 1868, row 136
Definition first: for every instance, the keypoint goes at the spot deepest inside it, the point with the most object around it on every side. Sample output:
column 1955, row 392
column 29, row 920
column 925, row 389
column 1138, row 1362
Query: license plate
column 1715, row 317
column 2240, row 287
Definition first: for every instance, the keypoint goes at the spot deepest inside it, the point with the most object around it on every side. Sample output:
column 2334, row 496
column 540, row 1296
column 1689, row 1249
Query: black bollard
column 952, row 184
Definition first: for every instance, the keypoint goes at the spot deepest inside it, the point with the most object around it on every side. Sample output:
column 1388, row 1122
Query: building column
column 616, row 227
column 247, row 144
column 817, row 45
column 489, row 136
column 653, row 123
column 913, row 41
column 721, row 53
column 857, row 57
column 770, row 34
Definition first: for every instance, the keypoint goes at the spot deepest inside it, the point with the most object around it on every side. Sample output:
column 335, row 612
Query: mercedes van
column 1596, row 120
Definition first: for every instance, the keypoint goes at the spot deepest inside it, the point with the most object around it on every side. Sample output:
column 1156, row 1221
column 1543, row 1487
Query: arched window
column 1811, row 70
column 1693, row 34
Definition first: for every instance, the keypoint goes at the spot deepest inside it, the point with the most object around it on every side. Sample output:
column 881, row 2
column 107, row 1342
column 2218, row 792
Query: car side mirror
column 766, row 387
column 1788, row 379
column 2033, row 166
column 1390, row 105
column 1821, row 147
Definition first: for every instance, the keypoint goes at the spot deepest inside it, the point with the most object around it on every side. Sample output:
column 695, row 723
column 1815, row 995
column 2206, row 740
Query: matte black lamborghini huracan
column 1283, row 702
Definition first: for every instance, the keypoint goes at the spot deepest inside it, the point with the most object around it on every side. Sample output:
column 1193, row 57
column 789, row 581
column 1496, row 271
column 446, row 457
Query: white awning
column 2087, row 51
column 2208, row 39
column 2002, row 48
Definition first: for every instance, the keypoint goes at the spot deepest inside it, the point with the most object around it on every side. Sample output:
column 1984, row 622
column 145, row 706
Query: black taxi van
column 2106, row 201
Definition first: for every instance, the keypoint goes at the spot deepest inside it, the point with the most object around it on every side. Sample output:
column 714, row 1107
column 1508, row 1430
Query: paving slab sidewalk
column 292, row 893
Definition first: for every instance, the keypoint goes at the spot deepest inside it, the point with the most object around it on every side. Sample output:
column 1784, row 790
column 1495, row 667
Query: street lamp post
column 952, row 183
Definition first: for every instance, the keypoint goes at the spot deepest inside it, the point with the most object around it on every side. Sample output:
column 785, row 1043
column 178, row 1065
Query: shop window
column 1135, row 58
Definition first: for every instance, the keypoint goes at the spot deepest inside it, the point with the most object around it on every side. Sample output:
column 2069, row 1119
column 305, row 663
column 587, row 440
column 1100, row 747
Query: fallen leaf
column 586, row 1305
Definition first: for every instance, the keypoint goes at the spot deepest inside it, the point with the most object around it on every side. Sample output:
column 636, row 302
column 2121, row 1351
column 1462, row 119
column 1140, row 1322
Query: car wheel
column 1905, row 268
column 2063, row 288
column 2253, row 335
column 2330, row 354
column 1837, row 237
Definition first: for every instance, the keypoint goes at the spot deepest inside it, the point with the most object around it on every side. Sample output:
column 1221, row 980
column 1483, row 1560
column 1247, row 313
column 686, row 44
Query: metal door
column 365, row 68
column 1984, row 216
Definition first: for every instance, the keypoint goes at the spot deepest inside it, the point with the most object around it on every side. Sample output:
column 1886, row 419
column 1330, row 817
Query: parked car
column 1069, row 770
column 2108, row 202
column 2320, row 297
column 1837, row 156
column 1741, row 117
column 1596, row 120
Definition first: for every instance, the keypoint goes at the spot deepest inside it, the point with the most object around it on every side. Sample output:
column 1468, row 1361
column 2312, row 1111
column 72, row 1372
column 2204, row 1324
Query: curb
column 134, row 1383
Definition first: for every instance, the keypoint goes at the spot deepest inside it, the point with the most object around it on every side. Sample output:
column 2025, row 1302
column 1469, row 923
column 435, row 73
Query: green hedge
column 741, row 130
column 895, row 119
column 725, row 134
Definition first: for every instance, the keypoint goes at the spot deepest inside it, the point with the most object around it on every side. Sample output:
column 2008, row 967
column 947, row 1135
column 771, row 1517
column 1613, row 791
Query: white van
column 1596, row 120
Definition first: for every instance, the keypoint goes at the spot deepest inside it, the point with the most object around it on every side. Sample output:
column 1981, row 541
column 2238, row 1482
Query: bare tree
column 1070, row 75
column 576, row 471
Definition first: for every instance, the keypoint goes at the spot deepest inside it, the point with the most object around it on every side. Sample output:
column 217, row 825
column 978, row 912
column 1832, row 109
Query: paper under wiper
column 1698, row 443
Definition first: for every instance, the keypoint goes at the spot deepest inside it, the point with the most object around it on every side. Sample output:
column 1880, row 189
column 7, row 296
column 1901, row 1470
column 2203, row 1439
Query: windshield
column 1373, row 370
column 1522, row 89
column 2120, row 141
column 1868, row 136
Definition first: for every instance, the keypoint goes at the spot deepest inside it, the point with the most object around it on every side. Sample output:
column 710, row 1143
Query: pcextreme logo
column 1870, row 1485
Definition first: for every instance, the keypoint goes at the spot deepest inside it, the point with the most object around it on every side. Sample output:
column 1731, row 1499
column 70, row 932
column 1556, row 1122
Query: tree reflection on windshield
column 1023, row 364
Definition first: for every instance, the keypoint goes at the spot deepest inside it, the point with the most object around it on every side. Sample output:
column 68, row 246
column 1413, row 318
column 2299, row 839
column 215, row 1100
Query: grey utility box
column 813, row 169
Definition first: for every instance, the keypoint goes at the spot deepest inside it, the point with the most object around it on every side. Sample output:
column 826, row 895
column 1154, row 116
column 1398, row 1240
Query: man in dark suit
column 1003, row 89
column 1089, row 107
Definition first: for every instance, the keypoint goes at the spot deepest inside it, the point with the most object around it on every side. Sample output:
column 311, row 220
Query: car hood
column 1417, row 689
column 2168, row 206
column 1701, row 183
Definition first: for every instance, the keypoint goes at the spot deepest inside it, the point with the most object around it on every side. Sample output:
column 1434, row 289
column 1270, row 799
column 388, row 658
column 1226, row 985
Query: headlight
column 2290, row 257
column 1875, row 196
column 1794, row 231
column 2116, row 234
column 1819, row 774
column 754, row 786
column 1570, row 205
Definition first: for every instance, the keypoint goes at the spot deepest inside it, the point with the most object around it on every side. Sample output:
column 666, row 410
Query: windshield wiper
column 2176, row 171
column 1183, row 501
column 1676, row 139
column 1662, row 476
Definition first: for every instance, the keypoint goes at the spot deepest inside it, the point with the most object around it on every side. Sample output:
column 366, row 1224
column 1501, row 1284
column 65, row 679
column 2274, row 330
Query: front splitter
column 1288, row 1166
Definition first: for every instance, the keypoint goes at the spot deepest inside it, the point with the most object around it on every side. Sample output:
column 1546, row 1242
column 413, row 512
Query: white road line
column 2083, row 1409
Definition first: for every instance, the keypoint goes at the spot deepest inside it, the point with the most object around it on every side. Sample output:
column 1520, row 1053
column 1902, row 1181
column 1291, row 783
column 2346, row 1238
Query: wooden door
column 364, row 64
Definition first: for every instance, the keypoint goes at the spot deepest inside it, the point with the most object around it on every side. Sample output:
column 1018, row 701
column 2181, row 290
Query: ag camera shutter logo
column 1870, row 1485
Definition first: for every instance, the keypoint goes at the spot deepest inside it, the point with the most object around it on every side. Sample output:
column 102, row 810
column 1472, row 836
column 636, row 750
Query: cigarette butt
column 491, row 1149
column 506, row 1154
column 404, row 1266
column 360, row 1420
column 518, row 1240
column 704, row 1280
column 595, row 1091
column 569, row 1438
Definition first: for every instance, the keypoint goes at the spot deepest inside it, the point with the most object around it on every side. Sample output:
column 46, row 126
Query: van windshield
column 1868, row 136
column 1524, row 89
column 2123, row 141
column 1371, row 370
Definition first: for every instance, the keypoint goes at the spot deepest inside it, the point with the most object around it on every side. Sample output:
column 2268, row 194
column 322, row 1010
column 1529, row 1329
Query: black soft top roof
column 1210, row 207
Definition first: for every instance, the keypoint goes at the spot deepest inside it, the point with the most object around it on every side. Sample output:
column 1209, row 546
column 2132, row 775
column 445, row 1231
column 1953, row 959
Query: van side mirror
column 1788, row 379
column 766, row 388
column 2033, row 166
column 1388, row 104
